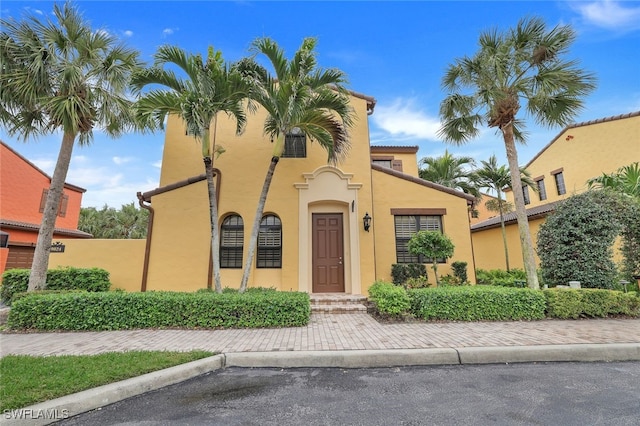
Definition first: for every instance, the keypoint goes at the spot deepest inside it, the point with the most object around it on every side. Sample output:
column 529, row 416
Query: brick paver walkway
column 330, row 332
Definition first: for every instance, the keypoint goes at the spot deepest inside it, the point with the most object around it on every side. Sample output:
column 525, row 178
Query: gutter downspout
column 147, row 249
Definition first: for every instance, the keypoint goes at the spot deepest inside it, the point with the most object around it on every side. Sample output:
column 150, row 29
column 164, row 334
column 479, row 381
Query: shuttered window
column 62, row 207
column 231, row 242
column 269, row 243
column 542, row 191
column 559, row 177
column 295, row 146
column 406, row 226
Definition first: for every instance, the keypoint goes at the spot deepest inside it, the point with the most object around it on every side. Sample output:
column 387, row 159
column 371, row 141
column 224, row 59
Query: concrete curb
column 551, row 353
column 71, row 405
column 344, row 359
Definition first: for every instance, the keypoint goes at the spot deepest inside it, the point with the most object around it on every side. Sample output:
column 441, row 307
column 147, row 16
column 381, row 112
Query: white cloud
column 45, row 164
column 128, row 33
column 157, row 164
column 167, row 32
column 122, row 160
column 609, row 14
column 403, row 119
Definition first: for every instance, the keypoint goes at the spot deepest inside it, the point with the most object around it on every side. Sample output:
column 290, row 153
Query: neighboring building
column 23, row 189
column 579, row 152
column 312, row 236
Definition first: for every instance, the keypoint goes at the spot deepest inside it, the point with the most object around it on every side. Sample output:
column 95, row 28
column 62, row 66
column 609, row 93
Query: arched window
column 269, row 243
column 231, row 242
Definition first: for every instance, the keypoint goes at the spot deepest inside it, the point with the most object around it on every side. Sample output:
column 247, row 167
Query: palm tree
column 300, row 97
column 626, row 180
column 524, row 64
column 62, row 76
column 497, row 178
column 211, row 87
column 451, row 171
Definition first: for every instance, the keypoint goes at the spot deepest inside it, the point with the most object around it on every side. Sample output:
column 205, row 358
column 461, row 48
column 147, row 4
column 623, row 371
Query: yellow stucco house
column 562, row 168
column 312, row 236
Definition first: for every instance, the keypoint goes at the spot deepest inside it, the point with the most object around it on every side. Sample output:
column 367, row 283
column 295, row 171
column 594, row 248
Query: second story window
column 542, row 191
column 525, row 194
column 295, row 144
column 559, row 177
column 62, row 207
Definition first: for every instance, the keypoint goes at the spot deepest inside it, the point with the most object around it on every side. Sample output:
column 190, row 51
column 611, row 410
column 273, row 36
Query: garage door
column 20, row 257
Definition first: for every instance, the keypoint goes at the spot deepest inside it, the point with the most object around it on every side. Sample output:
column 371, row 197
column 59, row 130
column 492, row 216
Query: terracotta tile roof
column 532, row 213
column 438, row 187
column 14, row 224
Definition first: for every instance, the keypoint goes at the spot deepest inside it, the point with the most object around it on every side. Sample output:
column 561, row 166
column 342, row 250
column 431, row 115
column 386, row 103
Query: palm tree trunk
column 521, row 213
column 253, row 239
column 38, row 275
column 504, row 232
column 213, row 215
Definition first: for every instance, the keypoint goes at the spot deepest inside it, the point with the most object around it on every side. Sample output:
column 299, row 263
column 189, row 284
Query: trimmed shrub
column 121, row 310
column 575, row 241
column 460, row 271
column 594, row 303
column 89, row 279
column 401, row 272
column 473, row 303
column 389, row 299
column 499, row 277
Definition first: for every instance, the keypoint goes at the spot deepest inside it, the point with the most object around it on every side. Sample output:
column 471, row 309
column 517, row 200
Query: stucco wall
column 585, row 152
column 181, row 237
column 122, row 258
column 392, row 192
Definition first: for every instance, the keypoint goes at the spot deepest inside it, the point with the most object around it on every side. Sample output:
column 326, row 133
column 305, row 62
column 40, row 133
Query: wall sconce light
column 568, row 138
column 366, row 220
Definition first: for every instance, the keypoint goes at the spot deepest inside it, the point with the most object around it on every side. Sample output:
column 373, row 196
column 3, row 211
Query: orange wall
column 22, row 185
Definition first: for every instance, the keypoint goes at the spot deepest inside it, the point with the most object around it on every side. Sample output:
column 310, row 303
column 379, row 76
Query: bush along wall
column 475, row 303
column 593, row 303
column 121, row 310
column 89, row 279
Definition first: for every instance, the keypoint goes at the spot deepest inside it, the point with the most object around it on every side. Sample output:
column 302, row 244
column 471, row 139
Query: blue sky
column 394, row 51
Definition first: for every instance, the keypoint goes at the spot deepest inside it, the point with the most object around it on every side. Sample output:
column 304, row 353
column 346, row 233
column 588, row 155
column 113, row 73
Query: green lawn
column 27, row 380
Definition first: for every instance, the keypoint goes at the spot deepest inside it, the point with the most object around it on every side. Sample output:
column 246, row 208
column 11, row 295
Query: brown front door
column 328, row 253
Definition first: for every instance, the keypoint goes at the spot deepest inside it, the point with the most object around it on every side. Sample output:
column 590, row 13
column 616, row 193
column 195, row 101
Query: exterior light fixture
column 366, row 220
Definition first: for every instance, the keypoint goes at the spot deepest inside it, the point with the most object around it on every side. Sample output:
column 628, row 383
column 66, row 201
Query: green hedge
column 389, row 299
column 121, row 310
column 475, row 303
column 576, row 303
column 90, row 279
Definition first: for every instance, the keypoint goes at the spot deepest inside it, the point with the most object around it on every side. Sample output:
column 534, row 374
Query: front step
column 338, row 303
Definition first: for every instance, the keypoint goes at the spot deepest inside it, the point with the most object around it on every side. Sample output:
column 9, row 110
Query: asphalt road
column 516, row 394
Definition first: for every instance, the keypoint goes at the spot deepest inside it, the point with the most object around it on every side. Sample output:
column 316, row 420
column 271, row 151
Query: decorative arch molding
column 329, row 190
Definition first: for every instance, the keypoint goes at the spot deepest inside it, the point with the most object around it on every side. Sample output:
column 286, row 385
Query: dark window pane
column 295, row 146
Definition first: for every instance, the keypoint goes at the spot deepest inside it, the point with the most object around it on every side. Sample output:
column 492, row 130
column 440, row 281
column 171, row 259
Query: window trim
column 525, row 195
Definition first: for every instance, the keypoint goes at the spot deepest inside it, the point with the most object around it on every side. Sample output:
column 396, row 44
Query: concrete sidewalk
column 331, row 332
column 344, row 341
